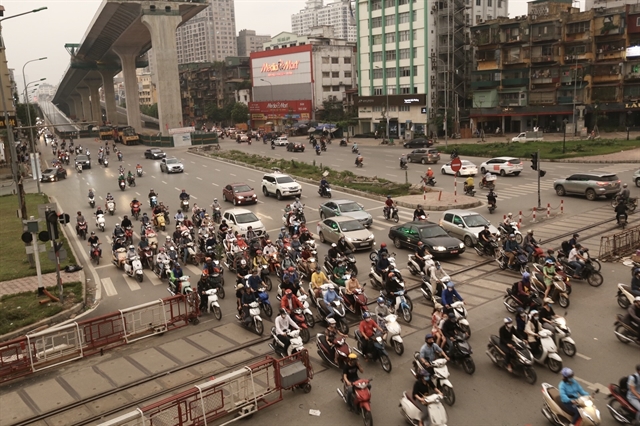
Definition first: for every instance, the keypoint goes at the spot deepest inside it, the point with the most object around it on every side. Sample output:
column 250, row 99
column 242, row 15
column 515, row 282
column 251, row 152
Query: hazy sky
column 45, row 33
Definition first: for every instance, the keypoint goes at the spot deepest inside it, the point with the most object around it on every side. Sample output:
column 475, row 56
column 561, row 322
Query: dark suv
column 84, row 161
column 424, row 156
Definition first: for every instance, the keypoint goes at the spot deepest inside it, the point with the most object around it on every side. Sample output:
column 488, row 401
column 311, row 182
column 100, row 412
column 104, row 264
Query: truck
column 528, row 137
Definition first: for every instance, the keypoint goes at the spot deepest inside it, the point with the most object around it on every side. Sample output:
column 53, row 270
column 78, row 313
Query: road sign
column 456, row 164
column 41, row 248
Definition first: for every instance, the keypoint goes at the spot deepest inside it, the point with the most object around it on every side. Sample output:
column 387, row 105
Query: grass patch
column 301, row 169
column 22, row 309
column 13, row 262
column 548, row 150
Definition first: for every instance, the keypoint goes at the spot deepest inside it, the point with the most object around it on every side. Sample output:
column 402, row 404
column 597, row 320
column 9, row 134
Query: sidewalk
column 31, row 283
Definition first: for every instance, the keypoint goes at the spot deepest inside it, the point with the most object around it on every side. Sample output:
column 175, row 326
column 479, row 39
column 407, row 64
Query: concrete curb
column 45, row 323
column 342, row 188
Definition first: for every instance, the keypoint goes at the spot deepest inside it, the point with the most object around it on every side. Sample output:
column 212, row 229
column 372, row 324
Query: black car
column 53, row 175
column 295, row 147
column 434, row 237
column 154, row 154
column 418, row 143
column 84, row 161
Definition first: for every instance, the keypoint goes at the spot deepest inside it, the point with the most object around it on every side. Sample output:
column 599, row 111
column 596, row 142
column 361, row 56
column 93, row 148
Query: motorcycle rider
column 350, row 288
column 633, row 393
column 329, row 297
column 359, row 160
column 492, row 198
column 506, row 223
column 570, row 390
column 423, row 387
column 144, row 222
column 251, row 234
column 623, row 195
column 79, row 220
column 126, row 222
column 290, row 302
column 382, row 250
column 532, row 329
column 388, row 205
column 634, row 314
column 450, row 295
column 297, row 205
column 144, row 243
column 93, row 239
column 621, row 212
column 450, row 329
column 255, row 281
column 367, row 329
column 485, row 178
column 161, row 257
column 403, row 161
column 350, row 375
column 420, row 253
column 179, row 216
column 429, row 175
column 343, row 246
column 576, row 261
column 635, row 282
column 283, row 323
column 184, row 196
column 511, row 249
column 248, row 297
column 241, row 271
column 99, row 211
column 469, row 184
column 485, row 236
column 118, row 232
column 382, row 310
column 529, row 242
column 259, row 260
column 318, row 278
column 138, row 168
column 283, row 234
column 548, row 272
column 324, row 184
column 428, row 353
column 269, row 249
column 418, row 212
column 130, row 177
column 506, row 342
column 339, row 271
column 521, row 324
column 91, row 193
column 152, row 193
column 523, row 290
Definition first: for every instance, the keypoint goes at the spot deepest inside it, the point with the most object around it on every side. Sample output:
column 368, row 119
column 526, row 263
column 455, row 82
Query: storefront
column 278, row 114
column 407, row 114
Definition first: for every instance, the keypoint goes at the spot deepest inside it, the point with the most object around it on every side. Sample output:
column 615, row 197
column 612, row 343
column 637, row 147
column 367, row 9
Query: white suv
column 240, row 219
column 281, row 185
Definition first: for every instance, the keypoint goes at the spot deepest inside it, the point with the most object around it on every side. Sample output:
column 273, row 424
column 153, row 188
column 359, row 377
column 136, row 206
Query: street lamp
column 10, row 140
column 384, row 71
column 564, row 137
column 628, row 117
column 271, row 85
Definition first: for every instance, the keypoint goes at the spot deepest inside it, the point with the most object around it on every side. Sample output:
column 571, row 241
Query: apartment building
column 249, row 42
column 338, row 15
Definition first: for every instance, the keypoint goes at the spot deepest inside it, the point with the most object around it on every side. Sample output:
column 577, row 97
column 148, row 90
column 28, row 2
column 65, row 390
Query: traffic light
column 534, row 161
column 541, row 173
column 52, row 224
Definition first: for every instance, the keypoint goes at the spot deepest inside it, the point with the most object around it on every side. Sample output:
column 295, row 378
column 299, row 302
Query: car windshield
column 242, row 188
column 475, row 220
column 350, row 207
column 156, row 151
column 433, row 232
column 48, row 172
column 467, row 163
column 284, row 179
column 351, row 225
column 246, row 218
column 514, row 160
column 172, row 161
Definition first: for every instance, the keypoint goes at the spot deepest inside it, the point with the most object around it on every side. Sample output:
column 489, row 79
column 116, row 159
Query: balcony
column 565, row 99
column 608, row 78
column 542, row 98
column 515, row 81
column 543, row 58
column 546, row 31
column 484, row 84
column 485, row 37
column 610, row 53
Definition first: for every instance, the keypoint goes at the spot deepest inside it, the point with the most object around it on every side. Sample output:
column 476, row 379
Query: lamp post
column 9, row 127
column 564, row 137
column 32, row 141
column 384, row 71
column 271, row 86
column 575, row 97
column 628, row 117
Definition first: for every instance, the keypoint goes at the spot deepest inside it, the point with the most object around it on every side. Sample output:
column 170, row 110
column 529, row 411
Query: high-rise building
column 249, row 42
column 210, row 35
column 337, row 15
column 46, row 92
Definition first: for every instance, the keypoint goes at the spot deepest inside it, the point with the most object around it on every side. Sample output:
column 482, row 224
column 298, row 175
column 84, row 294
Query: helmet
column 567, row 373
column 429, row 169
column 297, row 199
column 333, row 245
column 131, row 247
column 383, row 245
column 637, row 299
column 268, row 242
column 291, row 269
column 486, row 227
column 353, row 356
column 450, row 284
column 162, row 249
column 366, row 315
column 79, row 213
column 388, row 196
column 288, row 291
column 548, row 261
column 530, row 231
column 117, row 225
column 428, row 336
column 331, row 321
column 526, row 276
column 510, row 214
column 452, row 315
column 519, row 310
column 93, row 233
column 239, row 287
column 283, row 228
column 624, row 185
column 422, row 374
column 532, row 313
column 243, row 262
column 512, row 235
column 282, row 311
column 380, row 300
column 177, row 265
column 508, row 320
column 420, row 243
column 215, row 200
column 576, row 235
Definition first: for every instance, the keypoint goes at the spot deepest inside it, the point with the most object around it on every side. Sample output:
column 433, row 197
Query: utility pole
column 539, row 173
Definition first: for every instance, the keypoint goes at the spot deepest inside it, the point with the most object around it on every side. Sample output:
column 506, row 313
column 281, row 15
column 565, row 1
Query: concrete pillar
column 77, row 106
column 86, row 103
column 109, row 97
column 94, row 91
column 128, row 62
column 163, row 40
column 72, row 106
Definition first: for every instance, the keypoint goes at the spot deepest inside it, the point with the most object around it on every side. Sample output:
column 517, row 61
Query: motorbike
column 255, row 322
column 328, row 352
column 131, row 181
column 625, row 331
column 391, row 334
column 339, row 313
column 618, row 405
column 105, row 162
column 325, row 191
column 562, row 336
column 95, row 253
column 295, row 346
column 504, row 232
column 100, row 222
column 92, row 202
column 361, row 399
column 378, row 351
column 512, row 302
column 82, row 230
column 412, row 413
column 391, row 213
column 631, row 203
column 589, row 273
column 429, row 181
column 134, row 268
column 547, row 354
column 146, row 256
column 440, row 376
column 119, row 155
column 111, row 207
column 343, row 142
column 212, row 303
column 79, row 168
column 348, row 258
column 522, row 360
column 317, row 149
column 624, row 296
column 490, row 249
column 159, row 221
column 153, row 201
column 135, row 211
column 184, row 204
column 459, row 351
column 359, row 163
column 402, row 305
column 488, row 182
column 377, row 281
column 555, row 413
column 263, row 301
column 217, row 215
column 558, row 291
column 403, row 165
column 492, row 206
column 360, row 300
column 163, row 270
column 139, row 171
column 122, row 185
column 519, row 264
column 468, row 190
column 128, row 235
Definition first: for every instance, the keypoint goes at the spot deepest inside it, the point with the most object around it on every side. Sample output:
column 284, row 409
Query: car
column 465, row 225
column 171, row 165
column 154, row 154
column 239, row 193
column 590, row 184
column 281, row 185
column 242, row 137
column 241, row 219
column 424, row 156
column 418, row 143
column 83, row 160
column 345, row 208
column 502, row 166
column 436, row 240
column 53, row 175
column 467, row 169
column 636, row 177
column 330, row 231
column 281, row 141
column 295, row 147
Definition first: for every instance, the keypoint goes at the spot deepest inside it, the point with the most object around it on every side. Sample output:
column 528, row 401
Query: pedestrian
column 375, row 135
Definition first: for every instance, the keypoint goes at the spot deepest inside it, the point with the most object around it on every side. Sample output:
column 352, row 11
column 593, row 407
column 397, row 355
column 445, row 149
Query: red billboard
column 280, row 109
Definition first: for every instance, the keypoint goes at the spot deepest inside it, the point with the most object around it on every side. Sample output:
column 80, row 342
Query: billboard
column 281, row 69
column 300, row 110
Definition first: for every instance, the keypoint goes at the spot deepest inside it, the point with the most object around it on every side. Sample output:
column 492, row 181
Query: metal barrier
column 620, row 244
column 59, row 345
column 241, row 393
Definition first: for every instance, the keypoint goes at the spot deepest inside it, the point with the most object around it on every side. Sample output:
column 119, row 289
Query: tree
column 150, row 110
column 332, row 112
column 240, row 113
column 21, row 114
column 214, row 113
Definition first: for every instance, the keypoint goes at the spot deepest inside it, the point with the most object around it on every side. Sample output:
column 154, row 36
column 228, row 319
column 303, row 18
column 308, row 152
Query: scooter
column 79, row 168
column 492, row 206
column 82, row 230
column 559, row 290
column 325, row 191
column 185, row 205
column 519, row 264
column 488, row 183
column 625, row 297
column 134, row 268
column 105, row 162
column 512, row 302
column 504, row 233
column 361, row 399
column 459, row 351
column 588, row 273
column 522, row 360
column 468, row 190
column 212, row 303
column 343, row 142
column 377, row 281
column 562, row 336
column 185, row 286
column 360, row 300
column 295, row 345
column 403, row 165
column 122, row 185
column 339, row 313
column 153, row 201
column 440, row 377
column 92, row 202
column 139, row 172
column 625, row 329
column 95, row 253
column 111, row 207
column 412, row 413
column 255, row 322
column 317, row 149
column 429, row 181
column 328, row 352
column 146, row 256
column 618, row 405
column 391, row 213
column 403, row 305
column 378, row 352
column 547, row 354
column 100, row 222
column 554, row 412
column 391, row 335
column 490, row 249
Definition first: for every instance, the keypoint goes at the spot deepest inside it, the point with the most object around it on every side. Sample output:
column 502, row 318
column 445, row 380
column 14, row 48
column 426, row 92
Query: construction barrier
column 620, row 244
column 59, row 345
column 235, row 395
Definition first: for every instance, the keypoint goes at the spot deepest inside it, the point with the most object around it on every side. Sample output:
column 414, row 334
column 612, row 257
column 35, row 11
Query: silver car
column 465, row 225
column 591, row 185
column 636, row 177
column 345, row 208
column 330, row 231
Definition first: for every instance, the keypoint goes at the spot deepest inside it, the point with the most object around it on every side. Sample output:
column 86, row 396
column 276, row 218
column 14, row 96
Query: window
column 335, row 88
column 376, row 5
column 377, row 91
column 377, row 73
column 377, row 39
column 389, row 3
column 392, row 108
column 478, row 17
column 478, row 2
column 489, row 17
column 390, row 38
column 578, row 27
column 404, row 108
column 325, row 74
column 406, row 35
column 376, row 22
column 390, row 55
column 325, row 59
column 377, row 57
column 389, row 20
column 489, row 3
column 326, row 88
column 637, row 22
column 403, row 18
column 335, row 60
column 335, row 74
column 346, row 60
column 347, row 74
column 499, row 4
column 405, row 89
column 391, row 72
column 377, row 108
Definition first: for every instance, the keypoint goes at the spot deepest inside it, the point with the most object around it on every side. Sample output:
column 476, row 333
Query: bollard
column 534, row 215
column 455, row 190
column 439, row 195
column 548, row 210
column 562, row 206
column 519, row 219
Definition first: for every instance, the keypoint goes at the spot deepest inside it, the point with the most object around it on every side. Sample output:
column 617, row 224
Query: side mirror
column 460, row 225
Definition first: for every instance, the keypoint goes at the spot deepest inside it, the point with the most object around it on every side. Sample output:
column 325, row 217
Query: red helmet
column 291, row 269
column 383, row 245
column 288, row 291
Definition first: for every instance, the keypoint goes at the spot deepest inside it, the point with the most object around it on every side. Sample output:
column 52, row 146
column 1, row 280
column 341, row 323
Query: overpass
column 118, row 37
column 147, row 120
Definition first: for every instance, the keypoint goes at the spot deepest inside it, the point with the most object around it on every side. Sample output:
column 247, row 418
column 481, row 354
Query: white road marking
column 264, row 216
column 199, row 178
column 138, row 194
column 193, row 162
column 231, row 174
column 204, row 166
column 153, row 278
column 251, row 180
column 164, row 182
column 194, row 197
column 214, row 184
column 217, row 170
column 100, row 196
column 109, row 288
column 131, row 282
column 153, row 176
column 578, row 354
column 389, row 174
column 603, row 389
column 176, row 188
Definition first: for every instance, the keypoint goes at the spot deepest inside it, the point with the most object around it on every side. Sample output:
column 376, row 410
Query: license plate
column 454, row 251
column 364, row 244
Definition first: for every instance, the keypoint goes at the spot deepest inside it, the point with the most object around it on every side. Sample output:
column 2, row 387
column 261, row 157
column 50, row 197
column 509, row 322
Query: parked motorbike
column 361, row 399
column 522, row 361
column 295, row 346
column 212, row 303
column 553, row 409
column 412, row 413
column 440, row 377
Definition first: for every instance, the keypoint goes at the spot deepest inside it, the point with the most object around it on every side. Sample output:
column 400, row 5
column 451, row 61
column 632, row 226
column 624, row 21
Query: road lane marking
column 199, row 178
column 131, row 282
column 153, row 176
column 176, row 188
column 264, row 216
column 389, row 174
column 204, row 166
column 194, row 197
column 153, row 278
column 193, row 162
column 214, row 184
column 578, row 354
column 138, row 194
column 109, row 288
column 231, row 174
column 251, row 180
column 217, row 170
column 164, row 182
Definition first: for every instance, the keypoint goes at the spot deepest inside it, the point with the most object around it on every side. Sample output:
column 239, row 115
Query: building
column 558, row 68
column 249, row 42
column 46, row 92
column 291, row 83
column 337, row 15
column 607, row 4
column 210, row 35
column 285, row 39
column 147, row 91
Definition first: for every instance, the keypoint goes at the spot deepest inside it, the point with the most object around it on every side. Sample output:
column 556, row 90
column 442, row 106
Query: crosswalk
column 514, row 191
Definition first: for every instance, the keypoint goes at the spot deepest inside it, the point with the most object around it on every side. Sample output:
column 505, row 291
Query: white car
column 467, row 169
column 502, row 166
column 280, row 185
column 281, row 141
column 171, row 165
column 241, row 219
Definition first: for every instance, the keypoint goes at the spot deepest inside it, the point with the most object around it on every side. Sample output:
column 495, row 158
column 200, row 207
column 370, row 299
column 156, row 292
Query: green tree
column 214, row 113
column 240, row 113
column 150, row 110
column 226, row 111
column 21, row 113
column 332, row 112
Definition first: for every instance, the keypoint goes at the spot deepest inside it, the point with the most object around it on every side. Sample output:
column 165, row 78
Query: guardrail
column 620, row 244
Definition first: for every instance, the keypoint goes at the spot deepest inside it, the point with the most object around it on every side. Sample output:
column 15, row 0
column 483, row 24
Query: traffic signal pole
column 538, row 171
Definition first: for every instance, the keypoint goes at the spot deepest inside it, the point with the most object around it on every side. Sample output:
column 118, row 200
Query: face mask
column 509, row 326
column 430, row 343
